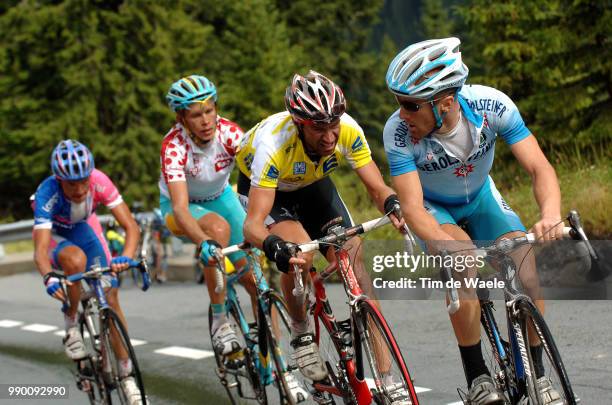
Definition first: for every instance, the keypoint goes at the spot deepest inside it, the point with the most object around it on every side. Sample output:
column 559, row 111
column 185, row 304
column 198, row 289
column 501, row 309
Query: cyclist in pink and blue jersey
column 440, row 146
column 68, row 237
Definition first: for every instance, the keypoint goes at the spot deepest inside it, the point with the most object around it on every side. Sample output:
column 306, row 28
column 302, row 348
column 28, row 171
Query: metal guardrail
column 22, row 230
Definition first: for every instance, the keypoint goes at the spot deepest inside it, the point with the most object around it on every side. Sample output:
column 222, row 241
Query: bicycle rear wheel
column 279, row 337
column 554, row 370
column 111, row 355
column 391, row 379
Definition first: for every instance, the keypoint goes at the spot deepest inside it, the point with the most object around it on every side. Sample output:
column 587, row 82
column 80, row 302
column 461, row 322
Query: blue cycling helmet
column 435, row 64
column 71, row 160
column 189, row 90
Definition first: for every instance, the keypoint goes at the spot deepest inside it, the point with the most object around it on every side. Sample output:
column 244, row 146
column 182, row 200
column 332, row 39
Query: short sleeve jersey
column 53, row 210
column 205, row 169
column 445, row 178
column 273, row 156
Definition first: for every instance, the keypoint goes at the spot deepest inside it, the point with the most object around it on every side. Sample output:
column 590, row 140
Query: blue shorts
column 226, row 205
column 486, row 217
column 83, row 236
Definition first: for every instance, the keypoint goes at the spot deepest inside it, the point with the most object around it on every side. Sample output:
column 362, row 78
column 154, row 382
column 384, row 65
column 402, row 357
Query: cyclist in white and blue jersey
column 440, row 146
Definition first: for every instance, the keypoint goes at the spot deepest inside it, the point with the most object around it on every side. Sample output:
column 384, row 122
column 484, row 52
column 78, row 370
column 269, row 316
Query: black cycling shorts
column 316, row 206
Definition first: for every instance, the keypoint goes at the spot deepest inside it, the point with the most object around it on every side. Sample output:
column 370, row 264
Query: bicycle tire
column 109, row 319
column 252, row 376
column 378, row 334
column 551, row 356
column 98, row 392
column 278, row 332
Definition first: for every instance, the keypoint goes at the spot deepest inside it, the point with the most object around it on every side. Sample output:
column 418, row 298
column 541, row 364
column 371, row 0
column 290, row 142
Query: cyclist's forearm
column 380, row 195
column 423, row 224
column 41, row 259
column 547, row 193
column 132, row 236
column 255, row 232
column 190, row 226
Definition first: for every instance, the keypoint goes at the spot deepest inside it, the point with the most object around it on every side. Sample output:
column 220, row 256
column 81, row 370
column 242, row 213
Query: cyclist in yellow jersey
column 284, row 162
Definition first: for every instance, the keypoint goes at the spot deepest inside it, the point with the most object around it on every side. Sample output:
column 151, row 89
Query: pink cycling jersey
column 53, row 209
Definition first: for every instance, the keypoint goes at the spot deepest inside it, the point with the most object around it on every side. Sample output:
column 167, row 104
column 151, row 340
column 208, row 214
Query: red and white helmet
column 314, row 99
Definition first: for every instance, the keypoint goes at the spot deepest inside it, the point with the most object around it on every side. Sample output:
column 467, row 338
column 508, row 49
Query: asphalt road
column 169, row 323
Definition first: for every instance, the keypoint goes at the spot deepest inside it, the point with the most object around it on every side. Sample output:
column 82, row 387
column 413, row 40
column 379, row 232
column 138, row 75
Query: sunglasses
column 414, row 107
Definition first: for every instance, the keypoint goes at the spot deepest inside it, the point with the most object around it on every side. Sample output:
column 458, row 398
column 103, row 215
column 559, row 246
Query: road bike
column 364, row 338
column 98, row 373
column 513, row 368
column 261, row 363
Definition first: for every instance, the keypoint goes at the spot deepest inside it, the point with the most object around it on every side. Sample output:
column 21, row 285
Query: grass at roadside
column 586, row 189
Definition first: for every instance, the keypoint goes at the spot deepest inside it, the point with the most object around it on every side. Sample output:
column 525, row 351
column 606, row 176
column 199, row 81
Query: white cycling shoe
column 549, row 395
column 307, row 356
column 131, row 391
column 396, row 392
column 296, row 389
column 484, row 392
column 73, row 344
column 225, row 341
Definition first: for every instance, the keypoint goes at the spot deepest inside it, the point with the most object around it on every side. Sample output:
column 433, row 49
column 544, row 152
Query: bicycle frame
column 350, row 358
column 512, row 357
column 258, row 347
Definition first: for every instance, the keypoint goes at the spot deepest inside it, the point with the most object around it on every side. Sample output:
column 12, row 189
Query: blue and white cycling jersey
column 444, row 178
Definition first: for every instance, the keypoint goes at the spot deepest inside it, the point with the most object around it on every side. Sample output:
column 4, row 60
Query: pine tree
column 554, row 58
column 96, row 72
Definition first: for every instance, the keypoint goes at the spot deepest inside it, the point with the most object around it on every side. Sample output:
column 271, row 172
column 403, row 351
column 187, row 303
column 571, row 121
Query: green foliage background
column 98, row 71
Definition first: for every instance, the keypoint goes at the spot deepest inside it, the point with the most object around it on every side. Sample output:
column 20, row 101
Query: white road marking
column 185, row 352
column 138, row 342
column 39, row 328
column 8, row 323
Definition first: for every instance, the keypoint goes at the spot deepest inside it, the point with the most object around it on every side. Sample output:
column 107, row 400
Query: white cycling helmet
column 414, row 62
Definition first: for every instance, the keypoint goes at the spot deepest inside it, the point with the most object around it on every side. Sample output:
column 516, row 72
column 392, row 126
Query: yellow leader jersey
column 273, row 156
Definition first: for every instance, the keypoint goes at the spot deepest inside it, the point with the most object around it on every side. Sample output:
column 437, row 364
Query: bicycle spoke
column 386, row 370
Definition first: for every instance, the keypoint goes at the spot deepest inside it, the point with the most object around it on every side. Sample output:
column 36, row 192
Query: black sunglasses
column 414, row 107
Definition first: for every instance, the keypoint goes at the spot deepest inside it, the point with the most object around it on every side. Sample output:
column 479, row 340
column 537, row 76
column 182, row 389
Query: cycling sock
column 473, row 362
column 70, row 321
column 218, row 316
column 299, row 328
column 536, row 356
column 125, row 367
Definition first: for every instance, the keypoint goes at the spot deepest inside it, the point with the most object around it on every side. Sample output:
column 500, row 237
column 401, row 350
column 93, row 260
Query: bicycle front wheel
column 89, row 372
column 116, row 345
column 287, row 377
column 239, row 372
column 391, row 380
column 551, row 383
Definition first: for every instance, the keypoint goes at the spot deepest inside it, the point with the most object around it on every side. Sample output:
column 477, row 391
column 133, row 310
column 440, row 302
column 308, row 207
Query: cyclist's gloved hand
column 120, row 263
column 207, row 251
column 52, row 281
column 279, row 251
column 391, row 204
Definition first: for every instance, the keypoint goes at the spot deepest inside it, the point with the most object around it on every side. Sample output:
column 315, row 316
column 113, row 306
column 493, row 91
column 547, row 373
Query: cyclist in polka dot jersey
column 196, row 200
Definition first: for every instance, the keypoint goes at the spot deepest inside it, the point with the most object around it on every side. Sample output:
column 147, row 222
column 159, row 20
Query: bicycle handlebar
column 575, row 231
column 336, row 234
column 96, row 271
